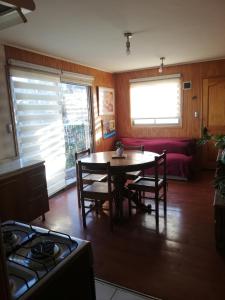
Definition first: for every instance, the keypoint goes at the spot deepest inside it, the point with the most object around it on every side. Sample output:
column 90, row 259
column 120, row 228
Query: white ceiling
column 91, row 32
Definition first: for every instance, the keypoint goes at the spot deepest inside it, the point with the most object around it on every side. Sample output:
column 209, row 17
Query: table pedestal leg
column 119, row 183
column 121, row 192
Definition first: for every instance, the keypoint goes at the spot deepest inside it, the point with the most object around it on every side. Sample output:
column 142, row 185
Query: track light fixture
column 161, row 65
column 128, row 35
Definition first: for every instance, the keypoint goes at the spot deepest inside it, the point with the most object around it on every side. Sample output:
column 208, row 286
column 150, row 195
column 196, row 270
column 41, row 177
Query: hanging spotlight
column 128, row 35
column 161, row 65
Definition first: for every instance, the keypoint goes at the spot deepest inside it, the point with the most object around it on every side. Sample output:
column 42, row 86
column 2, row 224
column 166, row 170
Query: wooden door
column 213, row 116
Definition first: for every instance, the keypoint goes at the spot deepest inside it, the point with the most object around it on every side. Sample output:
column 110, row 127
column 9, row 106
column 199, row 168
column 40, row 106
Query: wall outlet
column 196, row 114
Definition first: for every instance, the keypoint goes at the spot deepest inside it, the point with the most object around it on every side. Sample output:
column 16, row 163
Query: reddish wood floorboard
column 180, row 262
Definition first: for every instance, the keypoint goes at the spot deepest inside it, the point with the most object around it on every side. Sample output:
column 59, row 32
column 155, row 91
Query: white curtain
column 38, row 116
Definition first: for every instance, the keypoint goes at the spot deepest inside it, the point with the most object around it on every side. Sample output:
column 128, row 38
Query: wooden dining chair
column 134, row 174
column 88, row 178
column 94, row 195
column 155, row 186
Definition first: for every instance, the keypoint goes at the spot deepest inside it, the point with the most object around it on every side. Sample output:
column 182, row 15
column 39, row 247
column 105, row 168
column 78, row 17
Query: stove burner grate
column 14, row 235
column 9, row 237
column 44, row 250
column 33, row 252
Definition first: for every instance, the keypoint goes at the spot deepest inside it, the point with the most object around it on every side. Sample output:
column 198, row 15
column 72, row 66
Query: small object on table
column 119, row 151
column 119, row 156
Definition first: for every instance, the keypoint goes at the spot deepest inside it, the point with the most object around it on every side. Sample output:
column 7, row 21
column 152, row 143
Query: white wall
column 7, row 149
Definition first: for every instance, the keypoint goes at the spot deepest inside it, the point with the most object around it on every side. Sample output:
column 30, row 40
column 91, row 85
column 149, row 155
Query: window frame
column 165, row 125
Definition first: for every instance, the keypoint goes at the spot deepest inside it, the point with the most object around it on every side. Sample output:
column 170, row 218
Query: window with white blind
column 52, row 117
column 39, row 126
column 156, row 100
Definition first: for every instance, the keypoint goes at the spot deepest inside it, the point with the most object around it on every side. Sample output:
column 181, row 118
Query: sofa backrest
column 172, row 145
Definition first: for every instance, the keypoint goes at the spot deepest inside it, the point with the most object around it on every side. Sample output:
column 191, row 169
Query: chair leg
column 165, row 199
column 157, row 209
column 165, row 206
column 83, row 212
column 111, row 214
column 78, row 197
column 96, row 207
column 140, row 196
column 129, row 199
column 78, row 189
column 129, row 207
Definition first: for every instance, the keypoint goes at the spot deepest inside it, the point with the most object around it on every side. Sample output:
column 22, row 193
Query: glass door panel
column 77, row 122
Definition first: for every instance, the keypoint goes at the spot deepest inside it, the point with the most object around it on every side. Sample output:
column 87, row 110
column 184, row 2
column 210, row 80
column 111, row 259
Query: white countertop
column 17, row 165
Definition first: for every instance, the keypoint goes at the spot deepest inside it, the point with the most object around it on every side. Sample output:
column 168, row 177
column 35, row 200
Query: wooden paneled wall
column 101, row 79
column 192, row 99
column 7, row 146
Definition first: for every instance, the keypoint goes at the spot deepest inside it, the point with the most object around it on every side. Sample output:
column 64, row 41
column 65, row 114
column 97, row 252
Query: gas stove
column 41, row 263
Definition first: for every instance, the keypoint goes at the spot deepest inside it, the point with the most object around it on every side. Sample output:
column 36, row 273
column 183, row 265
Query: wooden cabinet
column 219, row 219
column 219, row 207
column 23, row 193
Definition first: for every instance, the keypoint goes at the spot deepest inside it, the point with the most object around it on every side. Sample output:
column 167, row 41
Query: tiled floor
column 106, row 291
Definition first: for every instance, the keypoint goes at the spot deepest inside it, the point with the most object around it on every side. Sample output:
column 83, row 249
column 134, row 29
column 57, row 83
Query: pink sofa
column 180, row 153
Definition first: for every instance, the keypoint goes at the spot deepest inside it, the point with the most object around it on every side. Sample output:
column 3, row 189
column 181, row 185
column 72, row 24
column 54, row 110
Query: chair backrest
column 160, row 165
column 81, row 154
column 94, row 168
column 134, row 147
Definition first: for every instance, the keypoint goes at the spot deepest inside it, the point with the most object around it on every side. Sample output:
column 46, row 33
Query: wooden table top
column 134, row 160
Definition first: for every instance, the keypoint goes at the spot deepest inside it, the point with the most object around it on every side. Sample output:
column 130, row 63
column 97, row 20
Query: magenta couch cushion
column 180, row 152
column 172, row 145
column 179, row 165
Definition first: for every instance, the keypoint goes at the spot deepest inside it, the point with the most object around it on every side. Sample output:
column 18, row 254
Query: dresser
column 219, row 208
column 23, row 190
column 219, row 219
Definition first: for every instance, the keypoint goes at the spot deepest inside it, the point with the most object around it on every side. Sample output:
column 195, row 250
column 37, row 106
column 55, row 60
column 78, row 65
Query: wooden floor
column 179, row 263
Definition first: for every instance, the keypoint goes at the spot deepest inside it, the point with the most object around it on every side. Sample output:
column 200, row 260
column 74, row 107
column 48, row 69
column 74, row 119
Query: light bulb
column 128, row 47
column 160, row 68
column 161, row 65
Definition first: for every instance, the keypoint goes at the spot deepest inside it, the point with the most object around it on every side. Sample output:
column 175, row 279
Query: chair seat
column 93, row 177
column 100, row 188
column 145, row 184
column 133, row 174
column 96, row 192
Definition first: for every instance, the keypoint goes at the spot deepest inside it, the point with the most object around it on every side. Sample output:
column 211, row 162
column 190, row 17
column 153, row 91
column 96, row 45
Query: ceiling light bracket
column 128, row 36
column 162, row 64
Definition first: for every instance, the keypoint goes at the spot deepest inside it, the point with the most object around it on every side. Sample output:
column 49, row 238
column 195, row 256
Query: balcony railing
column 76, row 139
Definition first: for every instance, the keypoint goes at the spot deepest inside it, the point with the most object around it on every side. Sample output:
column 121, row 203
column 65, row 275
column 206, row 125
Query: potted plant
column 218, row 139
column 219, row 142
column 219, row 180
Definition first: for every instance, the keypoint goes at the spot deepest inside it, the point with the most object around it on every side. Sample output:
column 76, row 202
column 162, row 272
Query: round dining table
column 132, row 160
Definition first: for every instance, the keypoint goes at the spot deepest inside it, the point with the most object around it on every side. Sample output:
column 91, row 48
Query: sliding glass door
column 76, row 121
column 52, row 122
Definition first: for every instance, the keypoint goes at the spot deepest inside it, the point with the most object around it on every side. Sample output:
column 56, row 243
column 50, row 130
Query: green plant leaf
column 218, row 139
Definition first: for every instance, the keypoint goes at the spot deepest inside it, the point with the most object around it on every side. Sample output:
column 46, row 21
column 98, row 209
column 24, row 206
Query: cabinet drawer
column 23, row 196
column 37, row 206
column 36, row 178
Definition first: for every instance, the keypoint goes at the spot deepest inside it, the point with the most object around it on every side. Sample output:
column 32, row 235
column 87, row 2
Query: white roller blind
column 38, row 116
column 155, row 101
column 69, row 77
